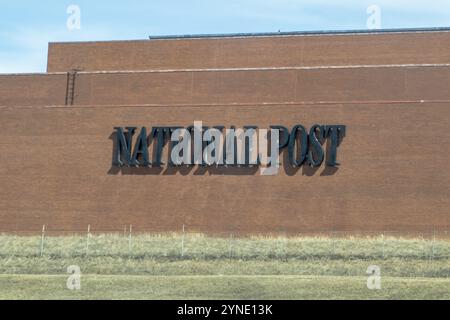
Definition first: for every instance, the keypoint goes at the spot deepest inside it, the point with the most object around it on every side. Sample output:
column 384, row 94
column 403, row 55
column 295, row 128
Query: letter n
column 122, row 150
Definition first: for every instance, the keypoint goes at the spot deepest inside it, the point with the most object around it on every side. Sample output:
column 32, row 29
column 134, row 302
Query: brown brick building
column 389, row 88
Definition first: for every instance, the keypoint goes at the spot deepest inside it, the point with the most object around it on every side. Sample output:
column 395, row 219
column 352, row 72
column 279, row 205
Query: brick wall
column 346, row 84
column 33, row 89
column 56, row 170
column 55, row 159
column 256, row 52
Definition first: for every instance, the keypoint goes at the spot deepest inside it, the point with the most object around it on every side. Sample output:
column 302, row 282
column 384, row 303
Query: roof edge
column 301, row 33
column 273, row 34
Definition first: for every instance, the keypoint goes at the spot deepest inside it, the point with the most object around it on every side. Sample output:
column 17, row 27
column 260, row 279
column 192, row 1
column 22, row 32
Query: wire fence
column 133, row 250
column 190, row 243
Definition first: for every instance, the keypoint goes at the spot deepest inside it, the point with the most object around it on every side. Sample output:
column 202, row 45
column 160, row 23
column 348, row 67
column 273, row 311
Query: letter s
column 316, row 154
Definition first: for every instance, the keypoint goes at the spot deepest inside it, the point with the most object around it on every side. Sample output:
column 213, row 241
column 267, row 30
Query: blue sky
column 26, row 27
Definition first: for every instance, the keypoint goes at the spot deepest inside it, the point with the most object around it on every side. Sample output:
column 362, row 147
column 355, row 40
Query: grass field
column 192, row 266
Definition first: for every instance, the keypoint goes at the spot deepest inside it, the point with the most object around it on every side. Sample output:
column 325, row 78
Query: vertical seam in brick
column 67, row 88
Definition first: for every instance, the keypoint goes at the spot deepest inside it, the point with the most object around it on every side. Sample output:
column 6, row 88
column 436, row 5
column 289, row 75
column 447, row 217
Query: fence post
column 333, row 244
column 87, row 239
column 230, row 251
column 281, row 246
column 182, row 242
column 42, row 240
column 130, row 239
column 433, row 245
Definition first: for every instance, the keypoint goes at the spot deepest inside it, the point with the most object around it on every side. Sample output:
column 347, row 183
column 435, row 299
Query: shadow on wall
column 167, row 170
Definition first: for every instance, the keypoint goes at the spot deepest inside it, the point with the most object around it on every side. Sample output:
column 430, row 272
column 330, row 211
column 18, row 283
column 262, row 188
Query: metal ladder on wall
column 70, row 91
